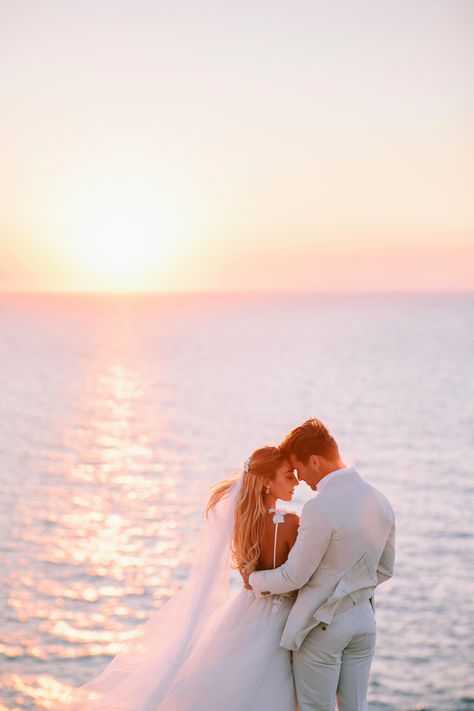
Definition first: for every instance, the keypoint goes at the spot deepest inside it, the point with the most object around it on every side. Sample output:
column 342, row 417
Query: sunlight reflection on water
column 118, row 416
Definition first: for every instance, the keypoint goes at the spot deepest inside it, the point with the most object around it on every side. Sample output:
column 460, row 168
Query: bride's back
column 286, row 531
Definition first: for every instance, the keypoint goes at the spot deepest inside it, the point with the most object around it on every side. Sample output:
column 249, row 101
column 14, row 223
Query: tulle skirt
column 234, row 663
column 237, row 663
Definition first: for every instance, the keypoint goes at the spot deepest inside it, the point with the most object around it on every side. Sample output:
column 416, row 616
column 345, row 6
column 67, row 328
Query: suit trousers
column 334, row 662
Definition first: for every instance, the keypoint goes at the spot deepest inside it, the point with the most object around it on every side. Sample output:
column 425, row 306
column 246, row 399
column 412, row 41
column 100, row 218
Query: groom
column 344, row 549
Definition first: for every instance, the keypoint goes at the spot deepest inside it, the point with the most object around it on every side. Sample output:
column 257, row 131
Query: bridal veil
column 141, row 674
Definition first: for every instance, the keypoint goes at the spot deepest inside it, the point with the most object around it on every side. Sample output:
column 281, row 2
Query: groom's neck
column 333, row 466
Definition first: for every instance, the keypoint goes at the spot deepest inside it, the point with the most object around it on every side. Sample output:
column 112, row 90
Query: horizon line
column 242, row 292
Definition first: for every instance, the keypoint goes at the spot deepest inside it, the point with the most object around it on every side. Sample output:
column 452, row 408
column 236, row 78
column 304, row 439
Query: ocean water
column 117, row 413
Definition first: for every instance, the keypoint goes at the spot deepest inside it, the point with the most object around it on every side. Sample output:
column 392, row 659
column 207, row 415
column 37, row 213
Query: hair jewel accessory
column 246, row 465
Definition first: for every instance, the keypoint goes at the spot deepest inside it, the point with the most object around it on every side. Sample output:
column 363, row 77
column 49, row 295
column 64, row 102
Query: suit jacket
column 345, row 547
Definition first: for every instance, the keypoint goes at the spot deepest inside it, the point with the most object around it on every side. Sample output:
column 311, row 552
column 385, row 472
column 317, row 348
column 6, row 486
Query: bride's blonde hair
column 250, row 509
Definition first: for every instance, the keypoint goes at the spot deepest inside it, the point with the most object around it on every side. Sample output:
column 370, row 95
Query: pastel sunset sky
column 169, row 146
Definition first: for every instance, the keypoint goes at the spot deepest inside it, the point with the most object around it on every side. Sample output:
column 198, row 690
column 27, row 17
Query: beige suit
column 344, row 549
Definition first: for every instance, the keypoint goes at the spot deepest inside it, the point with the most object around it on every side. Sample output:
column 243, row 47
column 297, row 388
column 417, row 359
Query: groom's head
column 312, row 451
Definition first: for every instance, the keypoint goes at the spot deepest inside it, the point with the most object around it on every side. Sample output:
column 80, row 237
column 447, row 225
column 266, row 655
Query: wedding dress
column 206, row 649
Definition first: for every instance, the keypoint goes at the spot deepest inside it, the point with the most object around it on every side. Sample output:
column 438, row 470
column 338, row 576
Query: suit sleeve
column 314, row 534
column 387, row 559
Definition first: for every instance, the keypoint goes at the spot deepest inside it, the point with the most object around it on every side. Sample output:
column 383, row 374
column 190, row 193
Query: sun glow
column 119, row 242
column 121, row 238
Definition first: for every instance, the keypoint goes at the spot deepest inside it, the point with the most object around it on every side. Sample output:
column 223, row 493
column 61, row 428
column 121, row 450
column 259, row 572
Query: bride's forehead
column 285, row 469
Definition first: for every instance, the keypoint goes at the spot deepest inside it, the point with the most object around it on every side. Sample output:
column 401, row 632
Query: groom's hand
column 245, row 578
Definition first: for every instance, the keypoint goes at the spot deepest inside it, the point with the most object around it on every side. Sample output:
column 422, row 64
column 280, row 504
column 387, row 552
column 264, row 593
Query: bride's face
column 283, row 484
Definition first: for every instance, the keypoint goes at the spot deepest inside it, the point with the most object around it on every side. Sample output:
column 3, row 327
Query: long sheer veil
column 140, row 675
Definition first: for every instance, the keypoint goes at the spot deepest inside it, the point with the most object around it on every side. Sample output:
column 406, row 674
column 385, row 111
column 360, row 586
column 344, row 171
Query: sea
column 119, row 412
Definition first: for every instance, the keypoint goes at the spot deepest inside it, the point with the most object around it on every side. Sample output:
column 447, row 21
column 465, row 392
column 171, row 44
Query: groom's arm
column 387, row 559
column 313, row 538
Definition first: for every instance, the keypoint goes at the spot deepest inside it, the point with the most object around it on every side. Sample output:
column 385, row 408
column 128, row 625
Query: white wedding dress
column 206, row 649
column 237, row 664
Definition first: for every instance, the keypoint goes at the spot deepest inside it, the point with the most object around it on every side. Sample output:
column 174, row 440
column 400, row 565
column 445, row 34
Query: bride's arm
column 313, row 538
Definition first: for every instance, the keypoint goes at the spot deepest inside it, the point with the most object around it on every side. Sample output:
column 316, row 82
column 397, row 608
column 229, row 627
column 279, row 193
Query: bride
column 210, row 649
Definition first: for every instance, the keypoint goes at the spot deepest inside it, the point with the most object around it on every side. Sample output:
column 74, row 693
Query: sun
column 117, row 232
column 118, row 240
column 116, row 244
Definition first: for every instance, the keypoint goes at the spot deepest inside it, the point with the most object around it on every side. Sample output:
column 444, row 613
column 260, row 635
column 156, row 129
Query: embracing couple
column 299, row 633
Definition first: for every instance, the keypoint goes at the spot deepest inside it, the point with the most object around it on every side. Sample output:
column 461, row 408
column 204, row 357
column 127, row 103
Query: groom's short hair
column 312, row 437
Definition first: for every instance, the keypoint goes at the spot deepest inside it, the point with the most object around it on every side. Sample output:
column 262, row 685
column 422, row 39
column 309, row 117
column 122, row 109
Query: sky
column 290, row 146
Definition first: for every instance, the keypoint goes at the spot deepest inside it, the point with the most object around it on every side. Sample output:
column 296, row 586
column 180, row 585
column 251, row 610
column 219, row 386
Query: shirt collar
column 332, row 475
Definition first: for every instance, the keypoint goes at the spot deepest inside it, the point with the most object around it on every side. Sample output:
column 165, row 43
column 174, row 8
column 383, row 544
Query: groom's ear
column 314, row 462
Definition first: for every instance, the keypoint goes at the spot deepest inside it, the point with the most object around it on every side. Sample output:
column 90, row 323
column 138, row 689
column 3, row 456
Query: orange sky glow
column 305, row 146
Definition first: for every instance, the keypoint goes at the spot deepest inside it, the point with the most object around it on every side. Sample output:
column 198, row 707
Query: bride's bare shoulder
column 290, row 527
column 286, row 519
column 292, row 520
column 289, row 516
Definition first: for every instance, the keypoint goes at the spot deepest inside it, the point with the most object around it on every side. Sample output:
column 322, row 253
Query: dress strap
column 279, row 517
column 275, row 546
